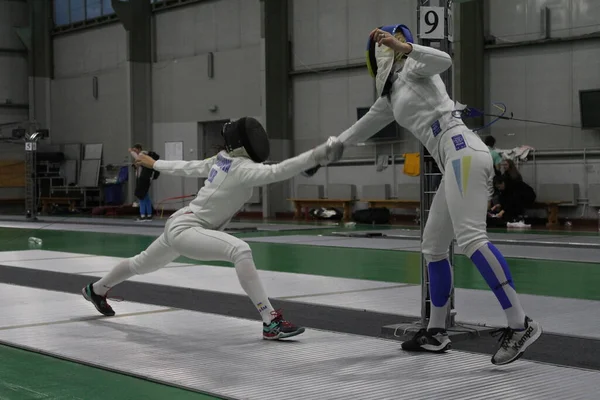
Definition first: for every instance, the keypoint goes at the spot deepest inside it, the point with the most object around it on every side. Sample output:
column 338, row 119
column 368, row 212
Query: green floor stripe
column 26, row 375
column 540, row 277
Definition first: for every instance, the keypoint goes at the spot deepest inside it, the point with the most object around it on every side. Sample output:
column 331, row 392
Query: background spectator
column 514, row 198
column 490, row 142
column 144, row 177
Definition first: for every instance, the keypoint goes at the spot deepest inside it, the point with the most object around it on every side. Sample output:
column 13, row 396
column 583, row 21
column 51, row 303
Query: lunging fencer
column 196, row 232
column 412, row 93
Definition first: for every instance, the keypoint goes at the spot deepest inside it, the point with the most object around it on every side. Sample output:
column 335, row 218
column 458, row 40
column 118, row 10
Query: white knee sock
column 252, row 285
column 121, row 272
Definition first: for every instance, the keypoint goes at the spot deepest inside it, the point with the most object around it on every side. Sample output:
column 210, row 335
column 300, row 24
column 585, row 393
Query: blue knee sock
column 143, row 206
column 494, row 269
column 440, row 286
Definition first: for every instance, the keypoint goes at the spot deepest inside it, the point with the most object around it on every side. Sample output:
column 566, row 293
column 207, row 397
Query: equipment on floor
column 330, row 214
column 380, row 215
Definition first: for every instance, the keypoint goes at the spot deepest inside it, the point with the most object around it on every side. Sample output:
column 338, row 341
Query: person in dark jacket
column 144, row 178
column 515, row 197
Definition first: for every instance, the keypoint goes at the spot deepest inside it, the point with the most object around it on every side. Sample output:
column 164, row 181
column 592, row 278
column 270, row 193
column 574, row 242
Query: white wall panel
column 177, row 31
column 335, row 32
column 516, row 20
column 306, row 113
column 585, row 16
column 548, row 80
column 8, row 115
column 325, row 105
column 79, row 118
column 12, row 13
column 333, row 96
column 227, row 16
column 585, row 75
column 361, row 21
column 90, row 51
column 358, row 176
column 183, row 91
column 13, row 66
column 171, row 186
column 213, row 26
column 305, row 32
column 250, row 22
column 543, row 84
column 332, row 31
column 560, row 18
column 13, row 78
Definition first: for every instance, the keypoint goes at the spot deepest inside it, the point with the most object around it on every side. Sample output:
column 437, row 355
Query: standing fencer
column 195, row 231
column 412, row 93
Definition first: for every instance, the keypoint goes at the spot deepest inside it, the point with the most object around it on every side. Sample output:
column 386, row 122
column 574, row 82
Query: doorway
column 209, row 138
column 210, row 141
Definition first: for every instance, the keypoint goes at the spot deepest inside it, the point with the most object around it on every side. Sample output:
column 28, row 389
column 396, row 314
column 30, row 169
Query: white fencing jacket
column 418, row 102
column 230, row 182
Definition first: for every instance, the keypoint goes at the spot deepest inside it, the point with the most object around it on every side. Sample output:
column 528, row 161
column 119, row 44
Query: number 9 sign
column 431, row 23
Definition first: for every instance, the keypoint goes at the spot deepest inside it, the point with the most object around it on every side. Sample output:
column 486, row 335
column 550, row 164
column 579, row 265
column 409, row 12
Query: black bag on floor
column 372, row 216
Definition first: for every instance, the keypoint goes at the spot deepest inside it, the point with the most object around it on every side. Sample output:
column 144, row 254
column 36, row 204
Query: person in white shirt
column 412, row 93
column 196, row 231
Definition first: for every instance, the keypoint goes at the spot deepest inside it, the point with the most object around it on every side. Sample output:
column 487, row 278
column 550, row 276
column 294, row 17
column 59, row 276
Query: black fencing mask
column 248, row 133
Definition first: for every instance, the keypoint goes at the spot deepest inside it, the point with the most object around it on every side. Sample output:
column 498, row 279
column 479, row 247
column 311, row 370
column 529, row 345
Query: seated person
column 514, row 198
column 509, row 171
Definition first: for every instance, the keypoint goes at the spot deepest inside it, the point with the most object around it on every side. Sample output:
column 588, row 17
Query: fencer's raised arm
column 196, row 168
column 430, row 61
column 255, row 174
column 379, row 116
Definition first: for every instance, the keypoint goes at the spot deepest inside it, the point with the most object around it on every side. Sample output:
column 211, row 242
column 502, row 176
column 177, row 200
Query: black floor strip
column 556, row 349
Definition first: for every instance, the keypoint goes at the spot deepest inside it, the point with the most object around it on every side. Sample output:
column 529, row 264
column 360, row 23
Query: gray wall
column 183, row 92
column 543, row 82
column 14, row 84
column 540, row 82
column 331, row 35
column 13, row 66
column 77, row 117
column 170, row 186
column 326, row 37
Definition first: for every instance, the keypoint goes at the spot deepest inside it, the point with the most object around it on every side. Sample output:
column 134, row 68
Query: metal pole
column 447, row 47
column 429, row 182
column 30, row 180
column 422, row 219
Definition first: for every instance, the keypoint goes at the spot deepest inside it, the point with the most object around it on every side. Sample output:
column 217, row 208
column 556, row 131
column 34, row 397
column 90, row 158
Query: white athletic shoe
column 513, row 343
column 520, row 224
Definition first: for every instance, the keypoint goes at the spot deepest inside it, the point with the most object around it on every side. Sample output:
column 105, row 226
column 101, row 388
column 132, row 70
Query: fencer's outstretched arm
column 196, row 168
column 379, row 116
column 430, row 61
column 253, row 174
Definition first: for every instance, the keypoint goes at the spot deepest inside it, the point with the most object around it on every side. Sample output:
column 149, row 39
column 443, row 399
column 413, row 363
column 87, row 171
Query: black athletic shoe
column 310, row 172
column 434, row 340
column 279, row 328
column 98, row 301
